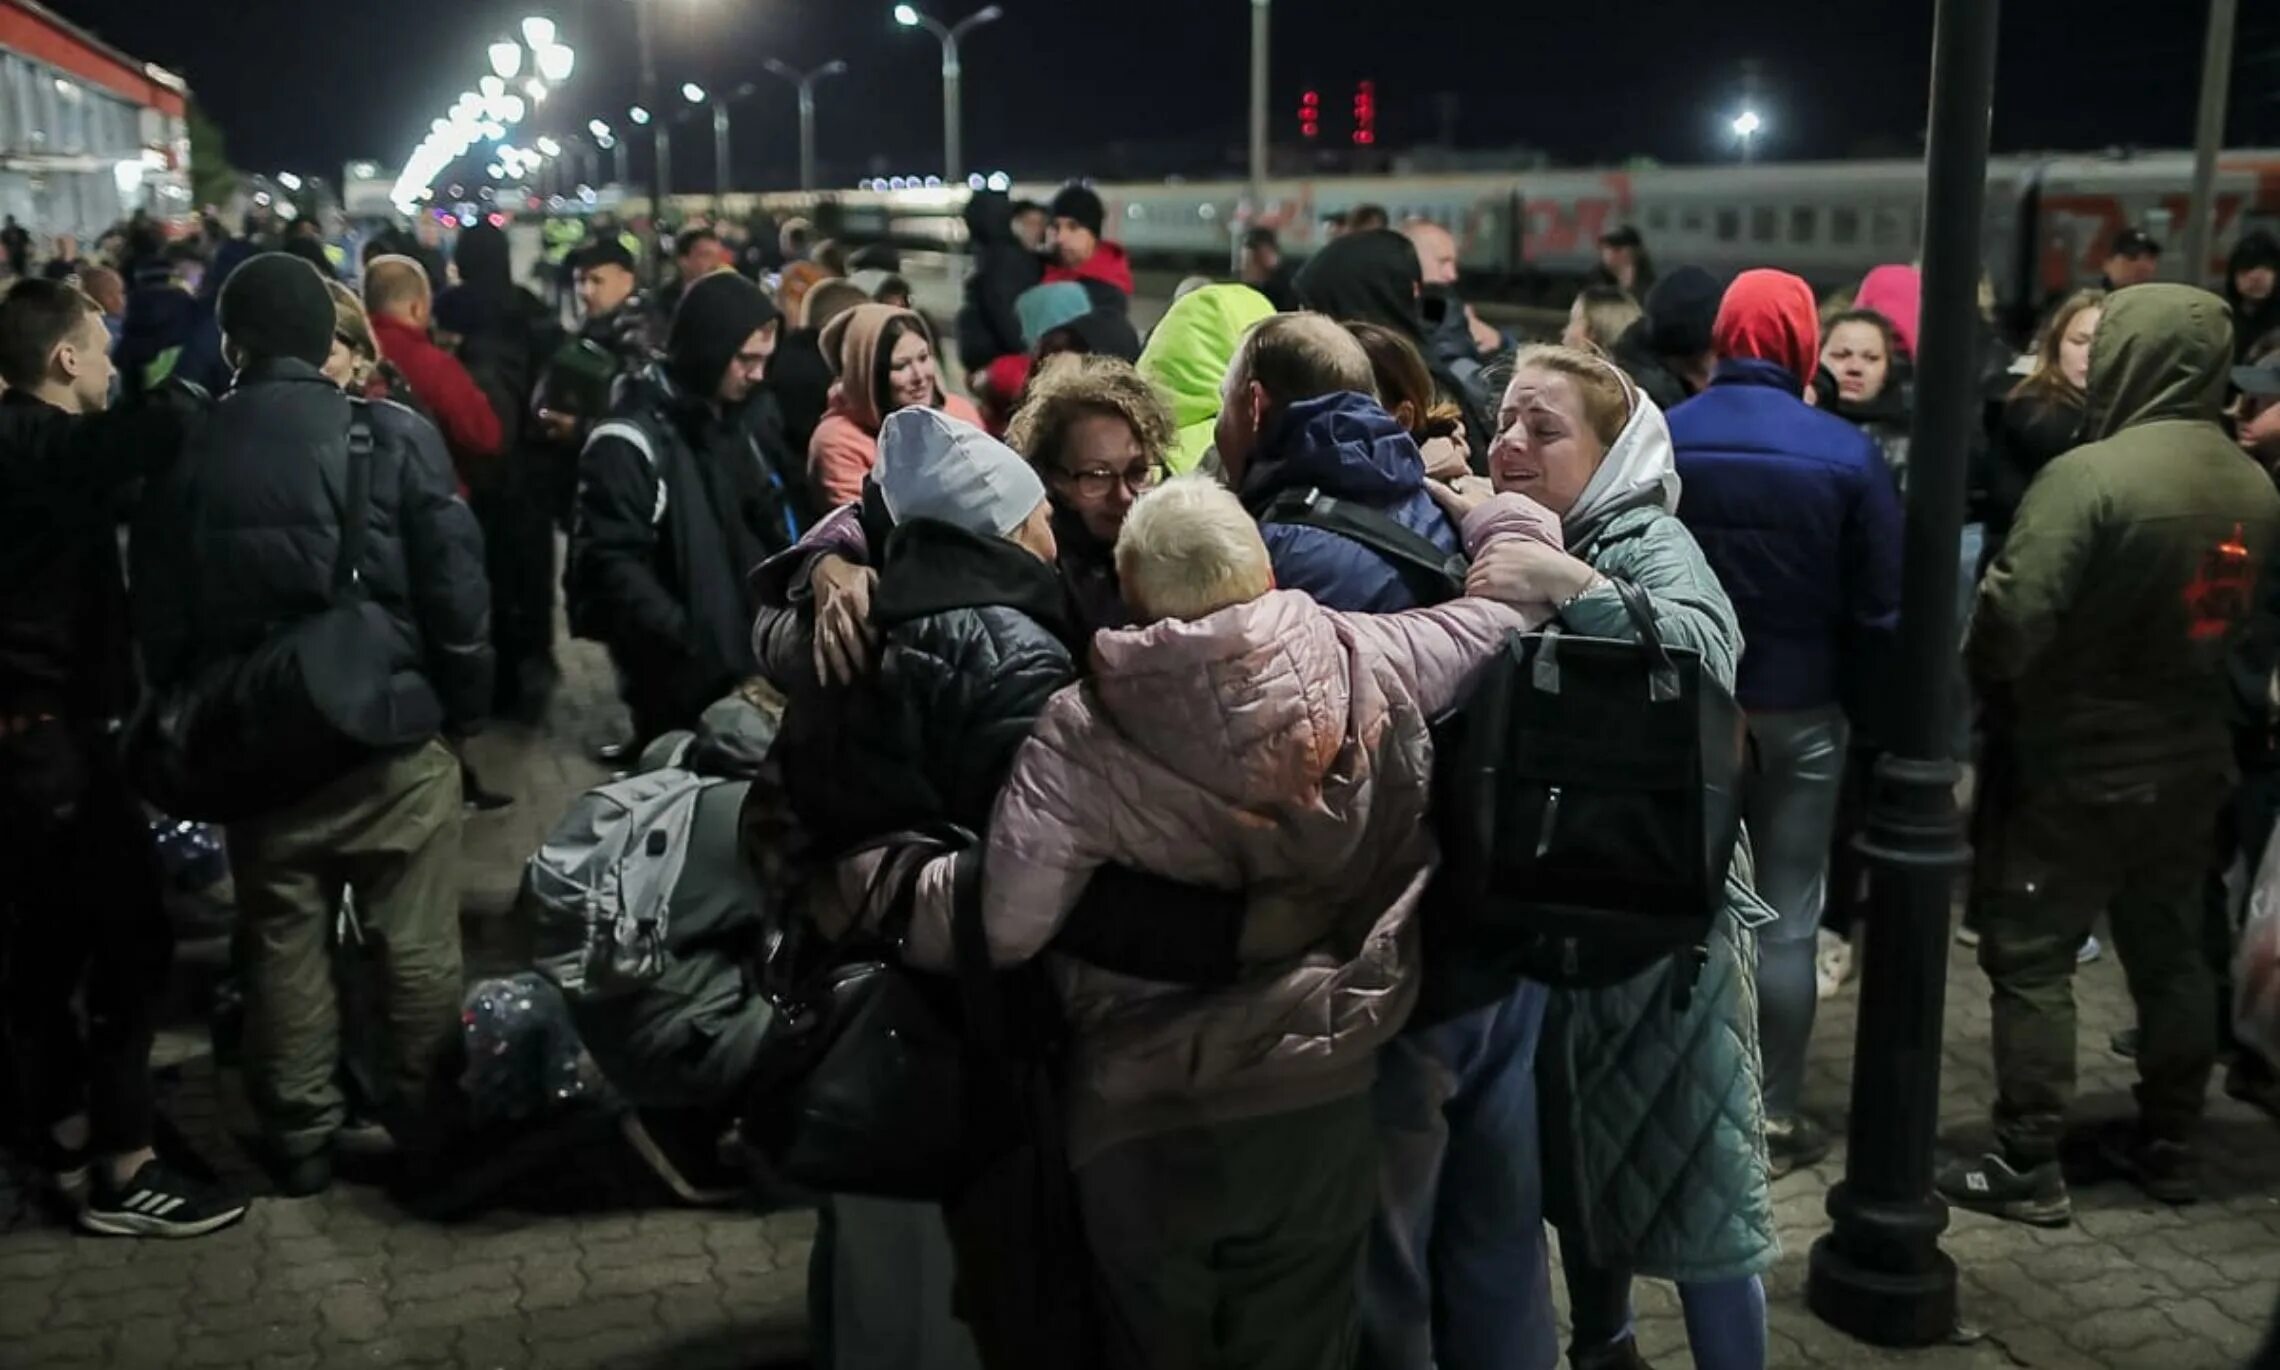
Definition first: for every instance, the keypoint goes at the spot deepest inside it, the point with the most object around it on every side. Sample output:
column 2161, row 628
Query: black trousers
column 85, row 945
column 518, row 558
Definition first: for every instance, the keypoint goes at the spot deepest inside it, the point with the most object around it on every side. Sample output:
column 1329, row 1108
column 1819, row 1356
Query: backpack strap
column 1419, row 559
column 634, row 435
column 356, row 513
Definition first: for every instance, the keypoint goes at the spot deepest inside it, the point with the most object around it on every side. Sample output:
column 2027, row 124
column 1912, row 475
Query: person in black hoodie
column 1373, row 276
column 800, row 376
column 1668, row 351
column 2252, row 288
column 1004, row 266
column 681, row 494
column 504, row 336
column 233, row 547
column 80, row 911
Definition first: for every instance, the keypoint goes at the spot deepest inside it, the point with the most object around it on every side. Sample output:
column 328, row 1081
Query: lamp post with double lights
column 953, row 161
column 805, row 82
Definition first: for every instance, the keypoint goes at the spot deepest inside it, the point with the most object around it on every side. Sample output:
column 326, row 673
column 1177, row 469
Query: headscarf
column 851, row 348
column 1640, row 468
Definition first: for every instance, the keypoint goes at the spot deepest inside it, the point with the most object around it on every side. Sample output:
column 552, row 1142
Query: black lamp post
column 1879, row 1274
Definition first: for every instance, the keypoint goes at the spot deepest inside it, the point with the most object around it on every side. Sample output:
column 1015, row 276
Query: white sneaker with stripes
column 158, row 1202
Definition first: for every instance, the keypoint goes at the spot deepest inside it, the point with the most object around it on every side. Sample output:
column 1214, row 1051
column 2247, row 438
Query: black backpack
column 1585, row 795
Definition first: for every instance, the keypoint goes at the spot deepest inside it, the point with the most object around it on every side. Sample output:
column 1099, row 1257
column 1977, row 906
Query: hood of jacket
column 1640, row 470
column 989, row 219
column 1770, row 316
column 1368, row 277
column 1187, row 356
column 1896, row 292
column 1250, row 704
column 851, row 345
column 1108, row 264
column 2162, row 352
column 1042, row 308
column 932, row 567
column 1342, row 444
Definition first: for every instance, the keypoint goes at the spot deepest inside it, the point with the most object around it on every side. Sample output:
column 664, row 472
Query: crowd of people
column 1100, row 704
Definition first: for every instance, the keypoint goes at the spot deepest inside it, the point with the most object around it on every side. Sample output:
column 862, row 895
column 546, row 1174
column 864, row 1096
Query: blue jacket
column 1348, row 447
column 1796, row 512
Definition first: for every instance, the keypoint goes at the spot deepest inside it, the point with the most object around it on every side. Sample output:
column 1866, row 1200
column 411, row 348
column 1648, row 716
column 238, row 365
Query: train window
column 1844, row 225
column 1729, row 225
column 1658, row 219
column 1765, row 224
column 1884, row 228
column 1801, row 222
column 1690, row 221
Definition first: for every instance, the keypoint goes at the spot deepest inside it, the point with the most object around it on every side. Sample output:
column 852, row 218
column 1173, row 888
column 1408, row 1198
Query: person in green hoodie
column 2100, row 643
column 1187, row 357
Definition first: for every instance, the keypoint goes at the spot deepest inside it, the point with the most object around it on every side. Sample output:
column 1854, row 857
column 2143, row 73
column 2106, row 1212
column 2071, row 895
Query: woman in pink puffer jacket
column 1248, row 739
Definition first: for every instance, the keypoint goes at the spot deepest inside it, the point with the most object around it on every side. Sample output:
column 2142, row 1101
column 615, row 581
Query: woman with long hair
column 2042, row 416
column 884, row 358
column 1405, row 387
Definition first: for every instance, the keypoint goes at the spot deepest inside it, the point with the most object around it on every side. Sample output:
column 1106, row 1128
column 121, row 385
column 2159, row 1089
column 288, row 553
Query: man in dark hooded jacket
column 2252, row 288
column 1374, row 277
column 1004, row 266
column 1668, row 351
column 2101, row 641
column 233, row 547
column 680, row 495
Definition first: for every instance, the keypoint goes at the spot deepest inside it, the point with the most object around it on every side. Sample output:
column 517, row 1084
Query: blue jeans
column 1458, row 1277
column 1725, row 1319
column 1791, row 809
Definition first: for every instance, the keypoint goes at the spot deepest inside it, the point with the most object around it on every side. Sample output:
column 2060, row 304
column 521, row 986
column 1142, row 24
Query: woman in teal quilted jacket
column 1653, row 1129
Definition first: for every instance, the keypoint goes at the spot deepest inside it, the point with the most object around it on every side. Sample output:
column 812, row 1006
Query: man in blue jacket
column 1797, row 514
column 1299, row 411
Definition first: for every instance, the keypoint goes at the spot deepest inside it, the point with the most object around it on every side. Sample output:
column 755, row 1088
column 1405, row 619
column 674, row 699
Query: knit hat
column 1680, row 308
column 715, row 317
column 276, row 305
column 1043, row 308
column 1081, row 204
column 1770, row 316
column 932, row 466
column 1896, row 292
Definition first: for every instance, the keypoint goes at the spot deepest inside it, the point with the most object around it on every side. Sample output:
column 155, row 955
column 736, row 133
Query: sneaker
column 2165, row 1170
column 1832, row 964
column 2089, row 951
column 1967, row 936
column 2036, row 1195
column 158, row 1202
column 2125, row 1042
column 1793, row 1144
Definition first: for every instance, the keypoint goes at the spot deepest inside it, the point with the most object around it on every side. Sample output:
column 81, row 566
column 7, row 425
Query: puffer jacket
column 1187, row 356
column 2104, row 629
column 987, row 325
column 1800, row 518
column 1653, row 1126
column 1346, row 446
column 972, row 643
column 1278, row 748
column 236, row 542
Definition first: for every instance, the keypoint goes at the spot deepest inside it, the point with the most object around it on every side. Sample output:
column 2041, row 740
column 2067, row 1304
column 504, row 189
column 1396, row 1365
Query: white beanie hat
column 932, row 466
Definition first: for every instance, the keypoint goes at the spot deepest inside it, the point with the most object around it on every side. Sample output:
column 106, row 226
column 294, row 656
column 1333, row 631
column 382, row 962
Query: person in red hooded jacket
column 401, row 301
column 1080, row 254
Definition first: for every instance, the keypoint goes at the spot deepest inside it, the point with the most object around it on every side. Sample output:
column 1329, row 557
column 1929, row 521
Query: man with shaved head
column 1456, row 341
column 401, row 302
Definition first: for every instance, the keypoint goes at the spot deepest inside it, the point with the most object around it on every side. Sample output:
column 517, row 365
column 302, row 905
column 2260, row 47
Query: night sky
column 306, row 84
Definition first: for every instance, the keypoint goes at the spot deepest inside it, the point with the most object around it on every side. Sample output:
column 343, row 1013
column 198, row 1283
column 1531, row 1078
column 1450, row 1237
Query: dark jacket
column 1088, row 569
column 1374, row 277
column 236, row 542
column 64, row 633
column 801, row 379
column 2104, row 630
column 1280, row 287
column 160, row 326
column 1652, row 374
column 1799, row 518
column 663, row 541
column 1886, row 420
column 1348, row 447
column 505, row 340
column 1003, row 268
column 973, row 641
column 2034, row 429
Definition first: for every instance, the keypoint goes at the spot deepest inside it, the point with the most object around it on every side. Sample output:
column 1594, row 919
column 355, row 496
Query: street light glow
column 906, row 16
column 597, row 128
column 506, row 59
column 492, row 87
column 288, row 180
column 555, row 62
column 638, row 115
column 549, row 146
column 1747, row 123
column 692, row 92
column 538, row 31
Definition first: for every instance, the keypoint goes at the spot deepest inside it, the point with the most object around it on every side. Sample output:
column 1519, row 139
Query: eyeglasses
column 1097, row 482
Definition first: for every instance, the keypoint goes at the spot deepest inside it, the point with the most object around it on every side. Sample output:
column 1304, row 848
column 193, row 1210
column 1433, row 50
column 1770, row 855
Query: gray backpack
column 600, row 888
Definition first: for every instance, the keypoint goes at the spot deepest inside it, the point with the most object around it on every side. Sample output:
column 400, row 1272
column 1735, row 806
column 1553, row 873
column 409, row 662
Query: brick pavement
column 347, row 1280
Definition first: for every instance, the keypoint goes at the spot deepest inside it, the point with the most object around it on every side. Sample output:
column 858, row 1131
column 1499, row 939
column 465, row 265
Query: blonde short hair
column 354, row 328
column 1190, row 549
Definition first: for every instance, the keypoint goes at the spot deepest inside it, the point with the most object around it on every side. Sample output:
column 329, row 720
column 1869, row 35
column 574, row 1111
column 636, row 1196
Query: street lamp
column 952, row 163
column 1746, row 126
column 638, row 115
column 506, row 58
column 805, row 81
column 556, row 61
column 539, row 32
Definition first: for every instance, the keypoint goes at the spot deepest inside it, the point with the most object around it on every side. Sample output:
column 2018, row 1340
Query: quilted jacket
column 1276, row 747
column 1654, row 1132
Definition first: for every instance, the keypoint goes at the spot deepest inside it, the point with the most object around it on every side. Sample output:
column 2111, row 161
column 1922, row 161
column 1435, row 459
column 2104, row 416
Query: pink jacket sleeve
column 1438, row 650
column 1042, row 848
column 839, row 456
